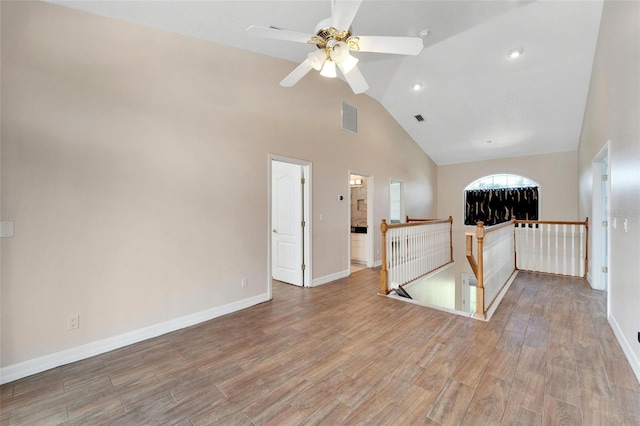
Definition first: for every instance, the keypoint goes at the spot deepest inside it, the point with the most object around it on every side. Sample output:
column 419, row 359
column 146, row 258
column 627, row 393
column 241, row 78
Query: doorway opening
column 361, row 229
column 290, row 221
column 396, row 201
column 469, row 285
column 602, row 220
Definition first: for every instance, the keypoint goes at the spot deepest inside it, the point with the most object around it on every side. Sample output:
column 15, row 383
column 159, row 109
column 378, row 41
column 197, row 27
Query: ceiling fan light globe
column 339, row 51
column 317, row 59
column 329, row 69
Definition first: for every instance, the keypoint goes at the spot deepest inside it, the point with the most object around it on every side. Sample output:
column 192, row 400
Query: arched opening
column 497, row 198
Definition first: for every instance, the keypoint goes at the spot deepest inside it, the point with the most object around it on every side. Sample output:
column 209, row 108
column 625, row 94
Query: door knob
column 274, row 231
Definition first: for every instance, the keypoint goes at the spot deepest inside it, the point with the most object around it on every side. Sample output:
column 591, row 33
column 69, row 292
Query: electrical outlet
column 74, row 322
column 244, row 282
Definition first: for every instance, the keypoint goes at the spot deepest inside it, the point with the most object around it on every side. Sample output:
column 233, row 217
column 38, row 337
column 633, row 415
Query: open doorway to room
column 289, row 220
column 602, row 220
column 469, row 285
column 396, row 201
column 361, row 227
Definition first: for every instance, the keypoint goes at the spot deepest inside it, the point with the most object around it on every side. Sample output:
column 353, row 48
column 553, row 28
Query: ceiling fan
column 335, row 42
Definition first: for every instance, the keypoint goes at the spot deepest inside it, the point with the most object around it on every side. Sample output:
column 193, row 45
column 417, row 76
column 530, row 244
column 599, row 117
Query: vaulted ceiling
column 477, row 103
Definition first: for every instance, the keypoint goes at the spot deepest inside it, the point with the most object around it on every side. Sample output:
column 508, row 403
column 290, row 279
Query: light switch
column 6, row 229
column 626, row 225
column 614, row 223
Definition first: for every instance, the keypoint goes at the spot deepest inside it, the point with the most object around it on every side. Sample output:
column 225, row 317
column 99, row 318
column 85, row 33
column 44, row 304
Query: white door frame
column 370, row 239
column 600, row 241
column 306, row 172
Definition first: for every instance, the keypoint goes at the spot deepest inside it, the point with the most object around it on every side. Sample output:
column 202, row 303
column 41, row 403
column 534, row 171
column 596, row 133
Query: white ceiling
column 473, row 93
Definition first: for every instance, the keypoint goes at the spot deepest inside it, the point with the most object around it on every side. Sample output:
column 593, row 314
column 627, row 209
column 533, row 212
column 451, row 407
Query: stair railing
column 414, row 249
column 492, row 260
column 553, row 247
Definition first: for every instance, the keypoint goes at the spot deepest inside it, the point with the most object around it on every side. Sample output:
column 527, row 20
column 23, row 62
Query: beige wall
column 612, row 114
column 556, row 173
column 135, row 167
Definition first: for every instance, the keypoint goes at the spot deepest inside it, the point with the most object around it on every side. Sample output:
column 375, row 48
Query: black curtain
column 493, row 206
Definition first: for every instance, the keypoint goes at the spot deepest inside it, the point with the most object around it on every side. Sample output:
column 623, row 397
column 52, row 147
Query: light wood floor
column 339, row 354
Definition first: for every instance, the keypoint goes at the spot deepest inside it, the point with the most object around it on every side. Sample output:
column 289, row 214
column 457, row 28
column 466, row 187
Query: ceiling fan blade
column 275, row 33
column 343, row 12
column 355, row 79
column 295, row 75
column 397, row 45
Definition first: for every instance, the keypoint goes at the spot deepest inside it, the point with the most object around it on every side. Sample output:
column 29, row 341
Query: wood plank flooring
column 340, row 354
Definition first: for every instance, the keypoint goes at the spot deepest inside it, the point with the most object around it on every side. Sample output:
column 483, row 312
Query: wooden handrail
column 409, row 219
column 552, row 222
column 470, row 258
column 404, row 225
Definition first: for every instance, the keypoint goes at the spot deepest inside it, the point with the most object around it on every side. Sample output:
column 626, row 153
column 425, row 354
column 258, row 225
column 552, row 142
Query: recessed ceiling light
column 515, row 53
column 424, row 33
column 417, row 86
column 489, row 141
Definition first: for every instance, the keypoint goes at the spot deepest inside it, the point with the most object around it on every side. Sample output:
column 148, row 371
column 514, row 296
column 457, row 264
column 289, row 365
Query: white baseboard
column 626, row 347
column 329, row 278
column 377, row 263
column 47, row 362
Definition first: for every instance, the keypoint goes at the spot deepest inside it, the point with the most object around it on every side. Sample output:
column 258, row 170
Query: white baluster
column 540, row 242
column 564, row 249
column 548, row 266
column 526, row 253
column 573, row 250
column 555, row 269
column 581, row 250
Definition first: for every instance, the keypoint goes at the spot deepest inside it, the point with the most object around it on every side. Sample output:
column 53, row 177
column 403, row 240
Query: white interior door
column 287, row 248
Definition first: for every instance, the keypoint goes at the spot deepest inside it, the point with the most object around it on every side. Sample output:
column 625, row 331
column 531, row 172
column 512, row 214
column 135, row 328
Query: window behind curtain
column 497, row 198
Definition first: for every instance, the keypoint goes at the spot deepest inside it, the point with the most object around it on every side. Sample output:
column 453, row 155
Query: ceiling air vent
column 419, row 117
column 349, row 117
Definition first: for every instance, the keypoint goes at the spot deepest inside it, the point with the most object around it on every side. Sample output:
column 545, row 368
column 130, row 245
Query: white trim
column 329, row 278
column 626, row 347
column 47, row 362
column 600, row 280
column 377, row 263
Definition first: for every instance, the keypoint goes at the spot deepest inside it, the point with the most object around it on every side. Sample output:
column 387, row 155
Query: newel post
column 586, row 248
column 480, row 275
column 451, row 237
column 383, row 272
